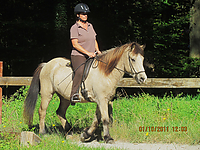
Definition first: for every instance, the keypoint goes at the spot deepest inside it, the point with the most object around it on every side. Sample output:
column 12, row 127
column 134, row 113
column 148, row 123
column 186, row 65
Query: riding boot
column 73, row 104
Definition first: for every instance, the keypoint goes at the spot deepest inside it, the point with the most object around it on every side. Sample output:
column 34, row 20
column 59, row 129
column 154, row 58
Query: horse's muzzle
column 141, row 78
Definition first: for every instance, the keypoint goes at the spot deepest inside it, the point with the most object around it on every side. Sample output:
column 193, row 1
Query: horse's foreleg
column 61, row 112
column 96, row 121
column 103, row 107
column 101, row 113
column 45, row 99
column 88, row 132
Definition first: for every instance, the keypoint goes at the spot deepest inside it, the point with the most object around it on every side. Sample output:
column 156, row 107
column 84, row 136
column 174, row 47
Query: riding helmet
column 81, row 8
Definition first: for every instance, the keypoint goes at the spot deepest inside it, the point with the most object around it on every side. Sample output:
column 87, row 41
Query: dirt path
column 141, row 146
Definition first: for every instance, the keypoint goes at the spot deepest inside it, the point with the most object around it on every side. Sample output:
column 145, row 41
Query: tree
column 195, row 29
column 38, row 31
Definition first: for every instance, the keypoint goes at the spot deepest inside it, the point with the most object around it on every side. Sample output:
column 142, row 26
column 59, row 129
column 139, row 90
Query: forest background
column 37, row 31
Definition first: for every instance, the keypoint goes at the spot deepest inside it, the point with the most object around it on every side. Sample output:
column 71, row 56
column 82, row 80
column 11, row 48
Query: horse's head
column 134, row 62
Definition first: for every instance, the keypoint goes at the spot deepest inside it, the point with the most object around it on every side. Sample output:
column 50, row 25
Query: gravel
column 140, row 146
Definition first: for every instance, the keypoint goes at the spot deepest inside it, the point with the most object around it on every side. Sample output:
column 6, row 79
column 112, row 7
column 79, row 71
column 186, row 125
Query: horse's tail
column 31, row 99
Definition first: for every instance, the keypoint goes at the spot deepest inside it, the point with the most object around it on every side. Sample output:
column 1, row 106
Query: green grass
column 129, row 115
column 150, row 111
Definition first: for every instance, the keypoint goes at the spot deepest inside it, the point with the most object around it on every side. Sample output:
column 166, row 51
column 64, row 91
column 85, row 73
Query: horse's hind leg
column 61, row 112
column 45, row 99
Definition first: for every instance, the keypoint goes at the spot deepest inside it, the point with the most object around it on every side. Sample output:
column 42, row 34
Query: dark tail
column 31, row 99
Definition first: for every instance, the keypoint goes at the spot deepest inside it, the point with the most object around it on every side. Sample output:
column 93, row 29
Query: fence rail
column 15, row 81
column 125, row 82
column 162, row 83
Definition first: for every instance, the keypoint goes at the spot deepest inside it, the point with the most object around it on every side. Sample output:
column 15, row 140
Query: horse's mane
column 110, row 58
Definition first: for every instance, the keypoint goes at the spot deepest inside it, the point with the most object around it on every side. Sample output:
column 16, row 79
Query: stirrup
column 78, row 100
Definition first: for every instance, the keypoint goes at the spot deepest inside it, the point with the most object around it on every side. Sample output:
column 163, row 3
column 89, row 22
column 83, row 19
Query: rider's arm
column 97, row 47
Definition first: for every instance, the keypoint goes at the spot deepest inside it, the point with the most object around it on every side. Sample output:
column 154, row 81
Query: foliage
column 128, row 113
column 39, row 31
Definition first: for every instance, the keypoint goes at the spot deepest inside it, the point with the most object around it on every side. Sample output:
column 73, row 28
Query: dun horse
column 101, row 83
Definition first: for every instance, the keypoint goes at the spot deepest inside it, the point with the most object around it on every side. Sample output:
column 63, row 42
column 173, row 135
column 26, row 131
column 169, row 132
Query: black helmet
column 81, row 8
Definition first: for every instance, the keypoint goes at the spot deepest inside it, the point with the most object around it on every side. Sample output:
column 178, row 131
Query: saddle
column 86, row 71
column 87, row 67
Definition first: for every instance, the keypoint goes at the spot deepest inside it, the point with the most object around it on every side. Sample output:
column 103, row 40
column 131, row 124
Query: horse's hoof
column 84, row 136
column 69, row 135
column 109, row 140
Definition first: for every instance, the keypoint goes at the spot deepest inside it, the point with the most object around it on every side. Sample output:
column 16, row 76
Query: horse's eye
column 133, row 59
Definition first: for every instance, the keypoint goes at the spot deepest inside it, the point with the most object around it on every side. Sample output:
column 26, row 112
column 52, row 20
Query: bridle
column 133, row 71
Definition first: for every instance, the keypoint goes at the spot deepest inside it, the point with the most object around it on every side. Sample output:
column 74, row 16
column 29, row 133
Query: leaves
column 39, row 31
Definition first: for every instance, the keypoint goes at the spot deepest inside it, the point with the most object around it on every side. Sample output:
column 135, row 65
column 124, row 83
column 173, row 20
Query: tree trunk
column 195, row 29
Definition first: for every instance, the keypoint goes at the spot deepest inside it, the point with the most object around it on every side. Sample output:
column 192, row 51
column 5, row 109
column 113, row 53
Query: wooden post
column 1, row 74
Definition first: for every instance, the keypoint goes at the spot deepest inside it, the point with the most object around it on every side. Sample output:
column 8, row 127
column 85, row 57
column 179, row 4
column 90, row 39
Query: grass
column 150, row 111
column 131, row 116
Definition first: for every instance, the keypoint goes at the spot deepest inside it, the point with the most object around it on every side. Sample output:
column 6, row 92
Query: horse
column 106, row 71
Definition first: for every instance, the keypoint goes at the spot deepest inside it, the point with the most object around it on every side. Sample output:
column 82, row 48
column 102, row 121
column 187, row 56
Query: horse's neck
column 118, row 72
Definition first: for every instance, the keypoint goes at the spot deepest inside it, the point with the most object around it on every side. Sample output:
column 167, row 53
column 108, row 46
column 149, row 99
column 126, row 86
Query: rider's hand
column 98, row 52
column 90, row 54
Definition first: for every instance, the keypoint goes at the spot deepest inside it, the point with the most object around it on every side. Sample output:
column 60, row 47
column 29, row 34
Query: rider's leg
column 77, row 62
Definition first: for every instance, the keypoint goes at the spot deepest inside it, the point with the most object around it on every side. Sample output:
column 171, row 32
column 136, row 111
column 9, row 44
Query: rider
column 83, row 38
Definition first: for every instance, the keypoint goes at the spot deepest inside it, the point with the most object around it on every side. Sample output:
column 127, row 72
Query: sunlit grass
column 138, row 119
column 169, row 119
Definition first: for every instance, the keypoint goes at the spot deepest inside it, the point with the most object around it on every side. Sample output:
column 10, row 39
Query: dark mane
column 110, row 58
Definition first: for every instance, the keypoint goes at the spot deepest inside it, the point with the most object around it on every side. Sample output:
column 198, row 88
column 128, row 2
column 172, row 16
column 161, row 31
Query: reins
column 133, row 71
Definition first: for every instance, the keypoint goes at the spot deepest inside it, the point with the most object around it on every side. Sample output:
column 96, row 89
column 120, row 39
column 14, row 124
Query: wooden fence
column 125, row 82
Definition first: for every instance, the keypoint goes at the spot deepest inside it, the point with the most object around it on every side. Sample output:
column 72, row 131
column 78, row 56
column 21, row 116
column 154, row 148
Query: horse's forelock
column 137, row 49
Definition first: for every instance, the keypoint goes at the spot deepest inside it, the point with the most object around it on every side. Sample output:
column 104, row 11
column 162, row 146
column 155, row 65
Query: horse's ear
column 143, row 46
column 133, row 45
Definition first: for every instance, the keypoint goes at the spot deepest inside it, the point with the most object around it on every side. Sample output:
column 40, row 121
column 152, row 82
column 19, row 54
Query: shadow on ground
column 58, row 129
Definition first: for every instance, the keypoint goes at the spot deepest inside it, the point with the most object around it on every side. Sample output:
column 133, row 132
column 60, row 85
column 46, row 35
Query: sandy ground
column 140, row 146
